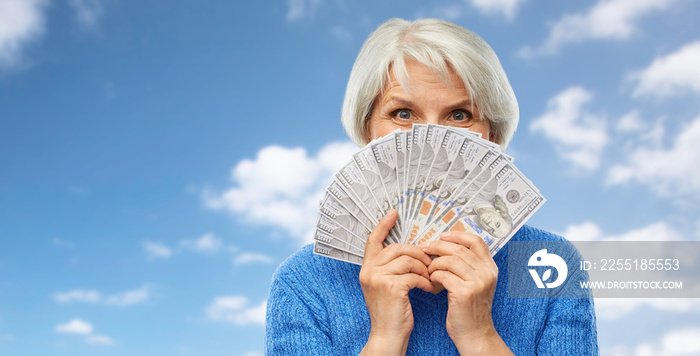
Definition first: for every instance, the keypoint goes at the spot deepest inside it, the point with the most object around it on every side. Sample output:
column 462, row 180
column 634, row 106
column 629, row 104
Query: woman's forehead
column 420, row 82
column 410, row 73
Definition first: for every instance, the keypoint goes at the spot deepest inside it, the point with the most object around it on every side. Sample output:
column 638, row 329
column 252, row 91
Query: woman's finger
column 448, row 279
column 452, row 264
column 375, row 240
column 412, row 280
column 447, row 248
column 405, row 264
column 393, row 251
column 474, row 242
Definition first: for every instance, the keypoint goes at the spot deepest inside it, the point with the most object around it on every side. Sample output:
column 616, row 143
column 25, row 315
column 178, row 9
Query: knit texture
column 316, row 307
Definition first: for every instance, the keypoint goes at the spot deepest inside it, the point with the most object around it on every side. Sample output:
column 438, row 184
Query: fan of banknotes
column 438, row 178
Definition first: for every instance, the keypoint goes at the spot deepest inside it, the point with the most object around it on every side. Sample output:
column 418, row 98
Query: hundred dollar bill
column 425, row 154
column 342, row 205
column 492, row 145
column 384, row 153
column 366, row 162
column 458, row 193
column 322, row 249
column 465, row 131
column 327, row 229
column 434, row 160
column 330, row 240
column 417, row 141
column 351, row 181
column 334, row 210
column 357, row 230
column 465, row 167
column 438, row 178
column 452, row 207
column 463, row 170
column 444, row 168
column 401, row 146
column 500, row 208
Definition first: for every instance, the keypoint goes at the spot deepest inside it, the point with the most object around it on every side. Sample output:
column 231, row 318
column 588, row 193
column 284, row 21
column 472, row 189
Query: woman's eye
column 403, row 114
column 461, row 115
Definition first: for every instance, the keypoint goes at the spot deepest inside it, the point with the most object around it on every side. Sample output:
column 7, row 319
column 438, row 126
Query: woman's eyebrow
column 400, row 101
column 462, row 104
column 406, row 102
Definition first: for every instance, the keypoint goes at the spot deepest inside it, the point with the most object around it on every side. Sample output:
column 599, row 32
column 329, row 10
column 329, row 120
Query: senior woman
column 427, row 71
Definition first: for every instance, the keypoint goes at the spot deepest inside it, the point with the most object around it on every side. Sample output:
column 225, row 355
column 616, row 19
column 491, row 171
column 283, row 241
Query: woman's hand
column 387, row 274
column 466, row 269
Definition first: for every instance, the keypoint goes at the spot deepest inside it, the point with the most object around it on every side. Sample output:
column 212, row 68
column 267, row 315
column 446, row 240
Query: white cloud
column 207, row 243
column 607, row 19
column 88, row 12
column 454, row 10
column 129, row 297
column 235, row 309
column 78, row 295
column 674, row 343
column 59, row 242
column 21, row 22
column 75, row 326
column 668, row 171
column 99, row 340
column 249, row 257
column 447, row 12
column 579, row 136
column 507, row 8
column 630, row 122
column 588, row 231
column 341, row 33
column 282, row 187
column 654, row 135
column 615, row 308
column 298, row 9
column 156, row 250
column 92, row 296
column 80, row 327
column 672, row 74
column 681, row 342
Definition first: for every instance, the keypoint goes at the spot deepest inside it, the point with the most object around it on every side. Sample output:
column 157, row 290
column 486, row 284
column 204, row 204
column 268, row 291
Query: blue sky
column 160, row 159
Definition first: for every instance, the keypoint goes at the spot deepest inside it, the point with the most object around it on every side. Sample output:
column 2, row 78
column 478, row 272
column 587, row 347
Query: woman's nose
column 432, row 119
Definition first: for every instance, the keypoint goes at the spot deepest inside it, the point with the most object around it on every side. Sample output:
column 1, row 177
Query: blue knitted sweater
column 316, row 307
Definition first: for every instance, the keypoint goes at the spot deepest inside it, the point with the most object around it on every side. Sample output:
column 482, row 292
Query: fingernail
column 445, row 235
column 425, row 245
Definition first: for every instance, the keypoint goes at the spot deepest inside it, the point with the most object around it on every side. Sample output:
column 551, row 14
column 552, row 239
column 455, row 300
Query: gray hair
column 441, row 46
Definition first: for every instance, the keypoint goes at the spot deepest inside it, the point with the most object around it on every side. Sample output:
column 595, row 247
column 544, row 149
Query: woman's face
column 430, row 101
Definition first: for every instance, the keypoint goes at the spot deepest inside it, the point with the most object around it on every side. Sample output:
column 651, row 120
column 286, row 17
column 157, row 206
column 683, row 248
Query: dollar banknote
column 323, row 249
column 438, row 178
